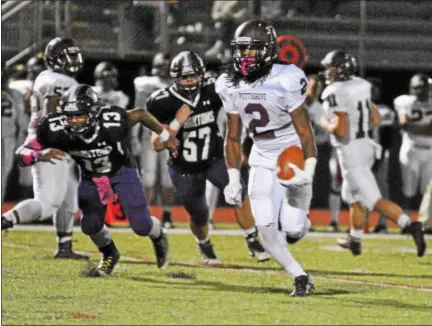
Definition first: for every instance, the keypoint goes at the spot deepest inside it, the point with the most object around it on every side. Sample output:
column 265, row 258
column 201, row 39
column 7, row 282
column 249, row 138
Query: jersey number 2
column 263, row 120
column 190, row 147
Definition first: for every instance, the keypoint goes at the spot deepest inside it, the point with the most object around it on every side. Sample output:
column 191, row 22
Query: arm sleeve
column 222, row 91
column 294, row 84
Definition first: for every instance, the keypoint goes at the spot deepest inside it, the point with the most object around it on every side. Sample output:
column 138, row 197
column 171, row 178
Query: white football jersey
column 352, row 96
column 264, row 108
column 12, row 113
column 316, row 112
column 145, row 86
column 21, row 85
column 48, row 83
column 419, row 113
column 112, row 97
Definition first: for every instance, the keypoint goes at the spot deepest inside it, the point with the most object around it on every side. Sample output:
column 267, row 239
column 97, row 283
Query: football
column 292, row 154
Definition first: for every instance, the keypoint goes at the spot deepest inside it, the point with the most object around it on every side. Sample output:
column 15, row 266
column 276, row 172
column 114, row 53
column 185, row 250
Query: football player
column 106, row 82
column 268, row 98
column 349, row 98
column 415, row 117
column 201, row 151
column 14, row 125
column 153, row 165
column 34, row 66
column 96, row 137
column 383, row 135
column 54, row 186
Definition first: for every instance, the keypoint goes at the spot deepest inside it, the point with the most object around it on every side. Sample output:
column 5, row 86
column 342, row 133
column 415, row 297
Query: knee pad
column 295, row 223
column 198, row 213
column 91, row 224
column 48, row 210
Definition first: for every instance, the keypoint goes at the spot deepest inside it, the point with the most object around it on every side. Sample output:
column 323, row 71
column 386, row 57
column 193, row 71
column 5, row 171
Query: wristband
column 164, row 135
column 175, row 125
column 310, row 164
column 234, row 175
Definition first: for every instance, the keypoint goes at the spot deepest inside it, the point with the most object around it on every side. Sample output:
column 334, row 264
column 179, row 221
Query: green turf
column 39, row 290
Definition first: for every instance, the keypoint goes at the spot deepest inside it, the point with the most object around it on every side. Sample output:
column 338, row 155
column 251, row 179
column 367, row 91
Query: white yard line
column 240, row 269
column 220, row 232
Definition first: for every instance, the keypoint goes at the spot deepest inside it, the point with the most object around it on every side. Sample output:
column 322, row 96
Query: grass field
column 388, row 284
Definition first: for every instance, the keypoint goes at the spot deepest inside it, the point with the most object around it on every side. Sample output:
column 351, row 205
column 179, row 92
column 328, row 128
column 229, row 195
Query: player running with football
column 97, row 138
column 54, row 186
column 268, row 98
column 349, row 98
column 201, row 151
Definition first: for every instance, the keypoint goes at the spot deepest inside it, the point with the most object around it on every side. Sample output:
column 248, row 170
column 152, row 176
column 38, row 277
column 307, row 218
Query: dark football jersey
column 102, row 154
column 200, row 140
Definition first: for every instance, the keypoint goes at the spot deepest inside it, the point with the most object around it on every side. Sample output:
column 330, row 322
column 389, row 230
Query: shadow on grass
column 223, row 287
column 316, row 272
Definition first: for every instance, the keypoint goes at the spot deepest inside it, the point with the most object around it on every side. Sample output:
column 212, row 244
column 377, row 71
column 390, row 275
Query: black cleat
column 110, row 257
column 207, row 253
column 352, row 244
column 303, row 285
column 256, row 250
column 167, row 221
column 6, row 224
column 65, row 251
column 415, row 229
column 161, row 249
column 333, row 227
column 380, row 229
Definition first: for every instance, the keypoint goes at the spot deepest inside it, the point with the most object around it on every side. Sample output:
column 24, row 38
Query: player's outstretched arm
column 148, row 120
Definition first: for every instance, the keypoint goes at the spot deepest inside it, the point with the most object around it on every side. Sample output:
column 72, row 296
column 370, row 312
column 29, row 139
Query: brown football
column 292, row 154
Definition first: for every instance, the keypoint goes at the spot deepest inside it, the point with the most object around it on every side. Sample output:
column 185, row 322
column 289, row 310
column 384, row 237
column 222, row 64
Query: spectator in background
column 321, row 8
column 226, row 15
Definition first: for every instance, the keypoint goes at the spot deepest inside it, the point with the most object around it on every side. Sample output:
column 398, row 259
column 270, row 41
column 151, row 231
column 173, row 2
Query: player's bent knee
column 91, row 225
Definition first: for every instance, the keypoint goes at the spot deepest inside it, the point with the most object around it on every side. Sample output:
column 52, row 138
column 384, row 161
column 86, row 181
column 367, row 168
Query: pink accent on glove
column 28, row 154
column 106, row 193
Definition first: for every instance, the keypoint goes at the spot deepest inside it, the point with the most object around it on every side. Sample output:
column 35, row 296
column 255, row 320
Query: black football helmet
column 80, row 101
column 185, row 64
column 34, row 66
column 106, row 76
column 254, row 35
column 161, row 65
column 339, row 65
column 419, row 86
column 62, row 55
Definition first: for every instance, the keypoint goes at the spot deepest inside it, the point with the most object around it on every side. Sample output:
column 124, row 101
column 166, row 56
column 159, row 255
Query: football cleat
column 415, row 229
column 161, row 249
column 353, row 245
column 303, row 285
column 106, row 264
column 333, row 227
column 256, row 250
column 65, row 251
column 167, row 221
column 380, row 229
column 6, row 224
column 207, row 253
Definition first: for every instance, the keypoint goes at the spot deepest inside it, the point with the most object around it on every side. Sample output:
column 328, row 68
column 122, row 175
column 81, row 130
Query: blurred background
column 392, row 40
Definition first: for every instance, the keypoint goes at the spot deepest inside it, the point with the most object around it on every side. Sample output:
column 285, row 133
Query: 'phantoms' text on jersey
column 200, row 140
column 103, row 154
